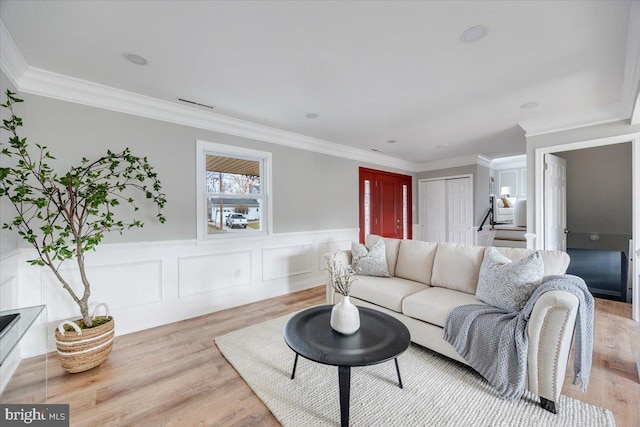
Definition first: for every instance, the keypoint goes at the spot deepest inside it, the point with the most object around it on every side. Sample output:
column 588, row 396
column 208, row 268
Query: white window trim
column 205, row 147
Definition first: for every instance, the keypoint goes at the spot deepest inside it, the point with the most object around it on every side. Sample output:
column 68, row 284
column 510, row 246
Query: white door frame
column 470, row 176
column 634, row 138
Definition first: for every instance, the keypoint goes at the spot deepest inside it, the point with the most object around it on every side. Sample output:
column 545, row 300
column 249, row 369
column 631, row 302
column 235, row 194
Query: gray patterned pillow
column 371, row 262
column 508, row 285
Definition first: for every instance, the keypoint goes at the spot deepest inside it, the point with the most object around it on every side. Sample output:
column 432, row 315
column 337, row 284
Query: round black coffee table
column 379, row 339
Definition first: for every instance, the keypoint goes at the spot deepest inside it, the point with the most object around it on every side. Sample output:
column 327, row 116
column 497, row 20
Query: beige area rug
column 437, row 391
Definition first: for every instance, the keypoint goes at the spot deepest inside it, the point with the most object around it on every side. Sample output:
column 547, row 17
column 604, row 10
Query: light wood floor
column 174, row 375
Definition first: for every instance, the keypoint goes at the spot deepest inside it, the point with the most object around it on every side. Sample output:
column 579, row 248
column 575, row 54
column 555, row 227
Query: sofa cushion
column 555, row 262
column 415, row 260
column 457, row 267
column 390, row 247
column 508, row 285
column 384, row 291
column 433, row 305
column 369, row 262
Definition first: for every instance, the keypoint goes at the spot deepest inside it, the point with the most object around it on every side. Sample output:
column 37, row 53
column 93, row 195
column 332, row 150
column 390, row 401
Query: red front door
column 385, row 204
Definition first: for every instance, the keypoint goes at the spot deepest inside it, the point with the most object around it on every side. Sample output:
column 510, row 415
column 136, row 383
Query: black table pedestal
column 344, row 381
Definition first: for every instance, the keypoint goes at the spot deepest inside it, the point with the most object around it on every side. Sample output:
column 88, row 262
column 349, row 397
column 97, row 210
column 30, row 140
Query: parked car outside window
column 234, row 220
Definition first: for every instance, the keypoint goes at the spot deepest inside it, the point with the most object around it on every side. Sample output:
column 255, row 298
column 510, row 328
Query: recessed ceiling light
column 311, row 115
column 474, row 34
column 391, row 141
column 136, row 59
column 443, row 145
column 528, row 105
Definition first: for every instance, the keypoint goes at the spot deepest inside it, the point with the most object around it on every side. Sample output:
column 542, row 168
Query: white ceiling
column 372, row 71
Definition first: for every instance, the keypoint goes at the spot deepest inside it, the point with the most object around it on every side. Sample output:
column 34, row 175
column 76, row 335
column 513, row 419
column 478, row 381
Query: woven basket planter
column 82, row 349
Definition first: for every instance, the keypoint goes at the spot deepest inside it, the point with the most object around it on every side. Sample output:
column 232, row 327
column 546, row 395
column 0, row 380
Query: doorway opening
column 599, row 217
column 542, row 212
column 385, row 204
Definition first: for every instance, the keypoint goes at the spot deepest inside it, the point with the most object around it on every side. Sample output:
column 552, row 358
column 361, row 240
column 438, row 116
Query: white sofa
column 430, row 279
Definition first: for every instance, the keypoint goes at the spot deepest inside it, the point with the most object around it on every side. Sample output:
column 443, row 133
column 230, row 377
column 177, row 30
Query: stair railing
column 489, row 215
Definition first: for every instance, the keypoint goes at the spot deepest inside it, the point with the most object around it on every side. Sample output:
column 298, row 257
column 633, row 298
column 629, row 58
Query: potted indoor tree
column 62, row 216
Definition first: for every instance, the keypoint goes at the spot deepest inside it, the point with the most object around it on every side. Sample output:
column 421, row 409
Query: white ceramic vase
column 345, row 317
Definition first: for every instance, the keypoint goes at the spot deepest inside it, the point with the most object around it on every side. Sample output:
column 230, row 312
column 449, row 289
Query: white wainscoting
column 484, row 237
column 9, row 281
column 154, row 283
column 286, row 261
column 330, row 247
column 202, row 274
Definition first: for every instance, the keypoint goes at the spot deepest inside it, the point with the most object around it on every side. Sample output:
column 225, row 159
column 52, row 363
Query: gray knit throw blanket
column 494, row 342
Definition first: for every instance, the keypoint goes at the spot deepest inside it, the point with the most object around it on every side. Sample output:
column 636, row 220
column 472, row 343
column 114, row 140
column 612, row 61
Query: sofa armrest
column 344, row 256
column 550, row 332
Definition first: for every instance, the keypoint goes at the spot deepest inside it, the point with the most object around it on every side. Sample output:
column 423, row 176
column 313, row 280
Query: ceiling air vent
column 188, row 101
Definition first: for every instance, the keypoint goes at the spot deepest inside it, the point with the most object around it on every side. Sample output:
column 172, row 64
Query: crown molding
column 582, row 124
column 483, row 161
column 45, row 83
column 612, row 114
column 53, row 85
column 510, row 162
column 12, row 62
column 627, row 107
column 472, row 159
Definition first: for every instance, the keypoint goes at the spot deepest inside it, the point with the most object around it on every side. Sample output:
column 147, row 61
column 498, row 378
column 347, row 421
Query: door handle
column 566, row 231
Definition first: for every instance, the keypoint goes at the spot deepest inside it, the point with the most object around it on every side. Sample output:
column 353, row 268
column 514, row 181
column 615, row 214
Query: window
column 233, row 189
column 405, row 215
column 367, row 207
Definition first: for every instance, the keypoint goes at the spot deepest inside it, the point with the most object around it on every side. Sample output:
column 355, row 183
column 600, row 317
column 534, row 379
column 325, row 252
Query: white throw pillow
column 415, row 260
column 369, row 262
column 390, row 247
column 457, row 267
column 508, row 285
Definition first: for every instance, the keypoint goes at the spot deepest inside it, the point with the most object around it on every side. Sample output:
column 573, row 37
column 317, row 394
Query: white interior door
column 555, row 203
column 433, row 211
column 459, row 211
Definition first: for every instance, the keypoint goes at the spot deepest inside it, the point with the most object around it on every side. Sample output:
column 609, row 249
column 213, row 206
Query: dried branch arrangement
column 341, row 277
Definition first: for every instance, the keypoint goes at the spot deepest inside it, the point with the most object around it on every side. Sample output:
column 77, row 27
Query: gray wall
column 311, row 191
column 599, row 197
column 481, row 196
column 480, row 185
